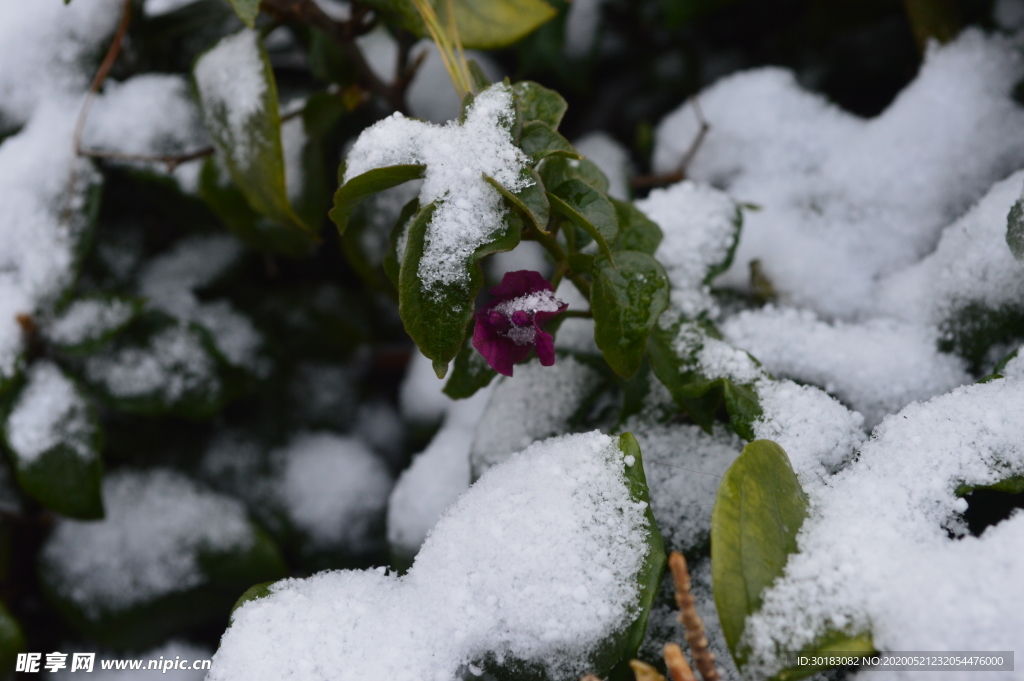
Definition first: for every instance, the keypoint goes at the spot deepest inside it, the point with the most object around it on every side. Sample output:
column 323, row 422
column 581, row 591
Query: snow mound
column 537, row 562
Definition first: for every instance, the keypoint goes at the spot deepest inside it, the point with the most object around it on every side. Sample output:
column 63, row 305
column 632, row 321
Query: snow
column 470, row 212
column 172, row 365
column 608, row 155
column 46, row 49
column 436, row 478
column 575, row 334
column 420, row 398
column 581, row 25
column 157, row 523
column 89, row 319
column 846, row 200
column 232, row 86
column 684, row 466
column 876, row 553
column 154, row 8
column 49, row 411
column 335, row 491
column 537, row 562
column 877, row 367
column 700, row 225
column 150, row 114
column 169, row 283
column 535, row 404
column 971, row 264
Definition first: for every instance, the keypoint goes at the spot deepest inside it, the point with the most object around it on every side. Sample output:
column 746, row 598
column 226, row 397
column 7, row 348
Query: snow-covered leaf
column 627, row 298
column 169, row 554
column 238, row 98
column 702, row 372
column 437, row 316
column 55, row 440
column 555, row 556
column 758, row 511
column 89, row 322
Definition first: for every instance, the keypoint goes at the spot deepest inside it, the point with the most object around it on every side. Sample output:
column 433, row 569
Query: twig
column 676, row 664
column 703, row 659
column 679, row 174
column 344, row 34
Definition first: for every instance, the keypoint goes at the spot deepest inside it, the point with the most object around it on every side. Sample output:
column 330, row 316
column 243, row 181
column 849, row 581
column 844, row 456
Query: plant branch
column 679, row 174
column 344, row 34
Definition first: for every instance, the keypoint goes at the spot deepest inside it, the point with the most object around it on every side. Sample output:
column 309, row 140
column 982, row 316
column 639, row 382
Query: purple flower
column 513, row 323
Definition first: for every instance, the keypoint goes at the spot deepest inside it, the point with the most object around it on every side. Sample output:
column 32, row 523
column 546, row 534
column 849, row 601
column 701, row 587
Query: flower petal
column 545, row 348
column 500, row 352
column 520, row 283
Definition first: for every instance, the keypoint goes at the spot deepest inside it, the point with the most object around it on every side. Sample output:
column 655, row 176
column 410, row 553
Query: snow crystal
column 971, row 264
column 46, row 48
column 470, row 212
column 147, row 546
column 877, row 553
column 49, row 411
column 700, row 226
column 174, row 364
column 88, row 319
column 845, row 200
column 536, row 403
column 232, row 83
column 436, row 477
column 150, row 114
column 608, row 155
column 537, row 562
column 877, row 367
column 684, row 466
column 335, row 491
column 714, row 358
column 42, row 194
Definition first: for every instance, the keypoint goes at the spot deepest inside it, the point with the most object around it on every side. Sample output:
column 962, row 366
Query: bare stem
column 679, row 174
column 703, row 658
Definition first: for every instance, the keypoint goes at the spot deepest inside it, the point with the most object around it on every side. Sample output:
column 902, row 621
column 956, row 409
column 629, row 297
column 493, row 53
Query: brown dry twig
column 703, row 659
column 679, row 174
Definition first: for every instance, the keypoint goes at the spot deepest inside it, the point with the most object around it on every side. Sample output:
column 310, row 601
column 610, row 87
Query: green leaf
column 54, row 439
column 637, row 232
column 555, row 170
column 246, row 11
column 627, row 298
column 1011, row 485
column 1015, row 230
column 654, row 564
column 12, row 641
column 470, row 373
column 531, row 202
column 699, row 395
column 482, row 24
column 253, row 593
column 581, row 263
column 588, row 209
column 245, row 126
column 393, row 259
column 831, row 643
column 437, row 319
column 758, row 511
column 370, row 182
column 538, row 103
column 90, row 322
column 480, row 80
column 540, row 140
